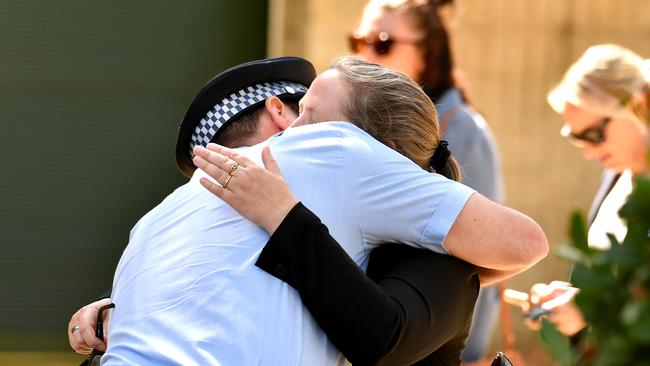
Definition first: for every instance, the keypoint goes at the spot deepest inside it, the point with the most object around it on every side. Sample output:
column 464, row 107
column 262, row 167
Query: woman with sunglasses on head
column 604, row 100
column 410, row 36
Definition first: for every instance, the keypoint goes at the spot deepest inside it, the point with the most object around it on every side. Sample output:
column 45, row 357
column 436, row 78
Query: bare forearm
column 493, row 236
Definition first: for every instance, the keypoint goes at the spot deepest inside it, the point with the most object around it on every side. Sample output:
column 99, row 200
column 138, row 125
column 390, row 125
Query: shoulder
column 468, row 128
column 467, row 120
column 455, row 114
column 331, row 129
column 326, row 137
column 172, row 203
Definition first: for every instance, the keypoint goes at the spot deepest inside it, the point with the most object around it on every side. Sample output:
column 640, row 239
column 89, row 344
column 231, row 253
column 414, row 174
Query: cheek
column 409, row 61
column 590, row 151
column 636, row 148
column 389, row 60
column 418, row 64
column 369, row 55
column 404, row 58
column 626, row 145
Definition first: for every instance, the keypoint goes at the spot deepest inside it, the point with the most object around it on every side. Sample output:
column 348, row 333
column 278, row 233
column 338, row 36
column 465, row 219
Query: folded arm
column 510, row 241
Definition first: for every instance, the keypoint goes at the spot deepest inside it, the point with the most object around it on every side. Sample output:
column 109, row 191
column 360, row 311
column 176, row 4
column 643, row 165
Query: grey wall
column 91, row 94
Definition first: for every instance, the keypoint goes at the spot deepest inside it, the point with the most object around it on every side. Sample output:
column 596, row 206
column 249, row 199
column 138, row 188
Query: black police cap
column 234, row 92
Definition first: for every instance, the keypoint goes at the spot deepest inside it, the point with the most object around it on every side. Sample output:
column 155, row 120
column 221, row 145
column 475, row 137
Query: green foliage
column 556, row 344
column 614, row 290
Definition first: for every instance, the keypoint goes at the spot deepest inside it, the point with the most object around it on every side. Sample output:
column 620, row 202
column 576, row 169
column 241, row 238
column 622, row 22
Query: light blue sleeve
column 394, row 199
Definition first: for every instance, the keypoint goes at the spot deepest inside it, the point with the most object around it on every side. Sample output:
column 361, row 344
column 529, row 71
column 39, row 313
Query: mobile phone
column 537, row 313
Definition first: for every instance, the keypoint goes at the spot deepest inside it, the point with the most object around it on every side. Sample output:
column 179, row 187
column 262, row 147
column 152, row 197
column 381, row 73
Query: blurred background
column 91, row 95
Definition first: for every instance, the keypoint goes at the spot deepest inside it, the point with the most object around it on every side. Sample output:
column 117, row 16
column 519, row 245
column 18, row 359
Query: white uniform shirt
column 607, row 220
column 187, row 290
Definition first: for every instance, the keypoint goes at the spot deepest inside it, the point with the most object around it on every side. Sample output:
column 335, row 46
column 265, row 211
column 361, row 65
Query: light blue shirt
column 472, row 144
column 187, row 291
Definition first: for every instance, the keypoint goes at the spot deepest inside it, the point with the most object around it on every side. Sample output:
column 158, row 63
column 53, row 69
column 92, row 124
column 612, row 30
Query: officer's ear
column 279, row 112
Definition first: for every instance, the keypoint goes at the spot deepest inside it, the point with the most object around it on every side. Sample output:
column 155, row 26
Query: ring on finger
column 83, row 349
column 233, row 168
column 225, row 184
column 74, row 328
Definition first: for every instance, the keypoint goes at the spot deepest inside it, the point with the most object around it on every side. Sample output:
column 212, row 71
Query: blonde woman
column 604, row 99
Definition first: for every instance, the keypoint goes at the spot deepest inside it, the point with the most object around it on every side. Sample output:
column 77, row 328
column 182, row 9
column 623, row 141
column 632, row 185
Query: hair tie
column 440, row 156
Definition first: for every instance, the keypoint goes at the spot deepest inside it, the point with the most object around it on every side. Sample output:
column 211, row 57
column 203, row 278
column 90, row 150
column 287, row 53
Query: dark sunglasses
column 381, row 43
column 593, row 135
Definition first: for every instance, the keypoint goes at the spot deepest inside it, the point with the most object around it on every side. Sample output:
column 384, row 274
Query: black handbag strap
column 99, row 328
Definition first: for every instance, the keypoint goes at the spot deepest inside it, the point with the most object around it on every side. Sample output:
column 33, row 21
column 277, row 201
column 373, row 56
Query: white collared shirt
column 187, row 290
column 607, row 221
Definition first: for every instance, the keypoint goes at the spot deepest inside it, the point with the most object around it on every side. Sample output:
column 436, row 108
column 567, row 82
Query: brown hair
column 394, row 110
column 437, row 76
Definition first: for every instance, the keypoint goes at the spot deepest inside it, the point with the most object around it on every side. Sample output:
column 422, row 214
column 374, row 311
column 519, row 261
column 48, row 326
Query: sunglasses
column 593, row 135
column 381, row 43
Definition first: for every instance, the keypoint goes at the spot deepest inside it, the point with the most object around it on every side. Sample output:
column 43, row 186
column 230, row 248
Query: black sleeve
column 437, row 294
column 377, row 322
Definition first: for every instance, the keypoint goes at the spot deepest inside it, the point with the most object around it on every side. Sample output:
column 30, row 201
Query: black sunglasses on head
column 593, row 135
column 381, row 43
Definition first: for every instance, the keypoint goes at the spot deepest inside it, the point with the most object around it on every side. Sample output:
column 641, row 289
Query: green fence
column 91, row 95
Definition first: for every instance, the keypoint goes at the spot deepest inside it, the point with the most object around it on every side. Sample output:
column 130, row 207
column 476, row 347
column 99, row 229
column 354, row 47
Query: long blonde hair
column 394, row 110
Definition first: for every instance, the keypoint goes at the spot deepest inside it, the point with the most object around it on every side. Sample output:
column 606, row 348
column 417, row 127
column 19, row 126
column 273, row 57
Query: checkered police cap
column 234, row 92
column 230, row 107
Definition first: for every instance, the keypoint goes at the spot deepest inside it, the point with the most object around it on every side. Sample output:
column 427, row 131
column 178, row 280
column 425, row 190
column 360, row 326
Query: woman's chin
column 614, row 165
column 607, row 162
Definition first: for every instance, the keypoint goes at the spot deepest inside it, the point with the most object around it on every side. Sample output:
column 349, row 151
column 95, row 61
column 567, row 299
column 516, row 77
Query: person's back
column 187, row 291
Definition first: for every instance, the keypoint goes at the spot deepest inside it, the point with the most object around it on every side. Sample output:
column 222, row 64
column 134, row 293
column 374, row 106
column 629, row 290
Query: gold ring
column 233, row 168
column 225, row 184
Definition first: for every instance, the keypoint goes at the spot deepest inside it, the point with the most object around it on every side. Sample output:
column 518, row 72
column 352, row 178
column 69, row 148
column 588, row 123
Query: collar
column 198, row 174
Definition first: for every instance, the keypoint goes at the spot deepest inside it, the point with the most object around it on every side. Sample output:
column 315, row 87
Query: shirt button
column 280, row 270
